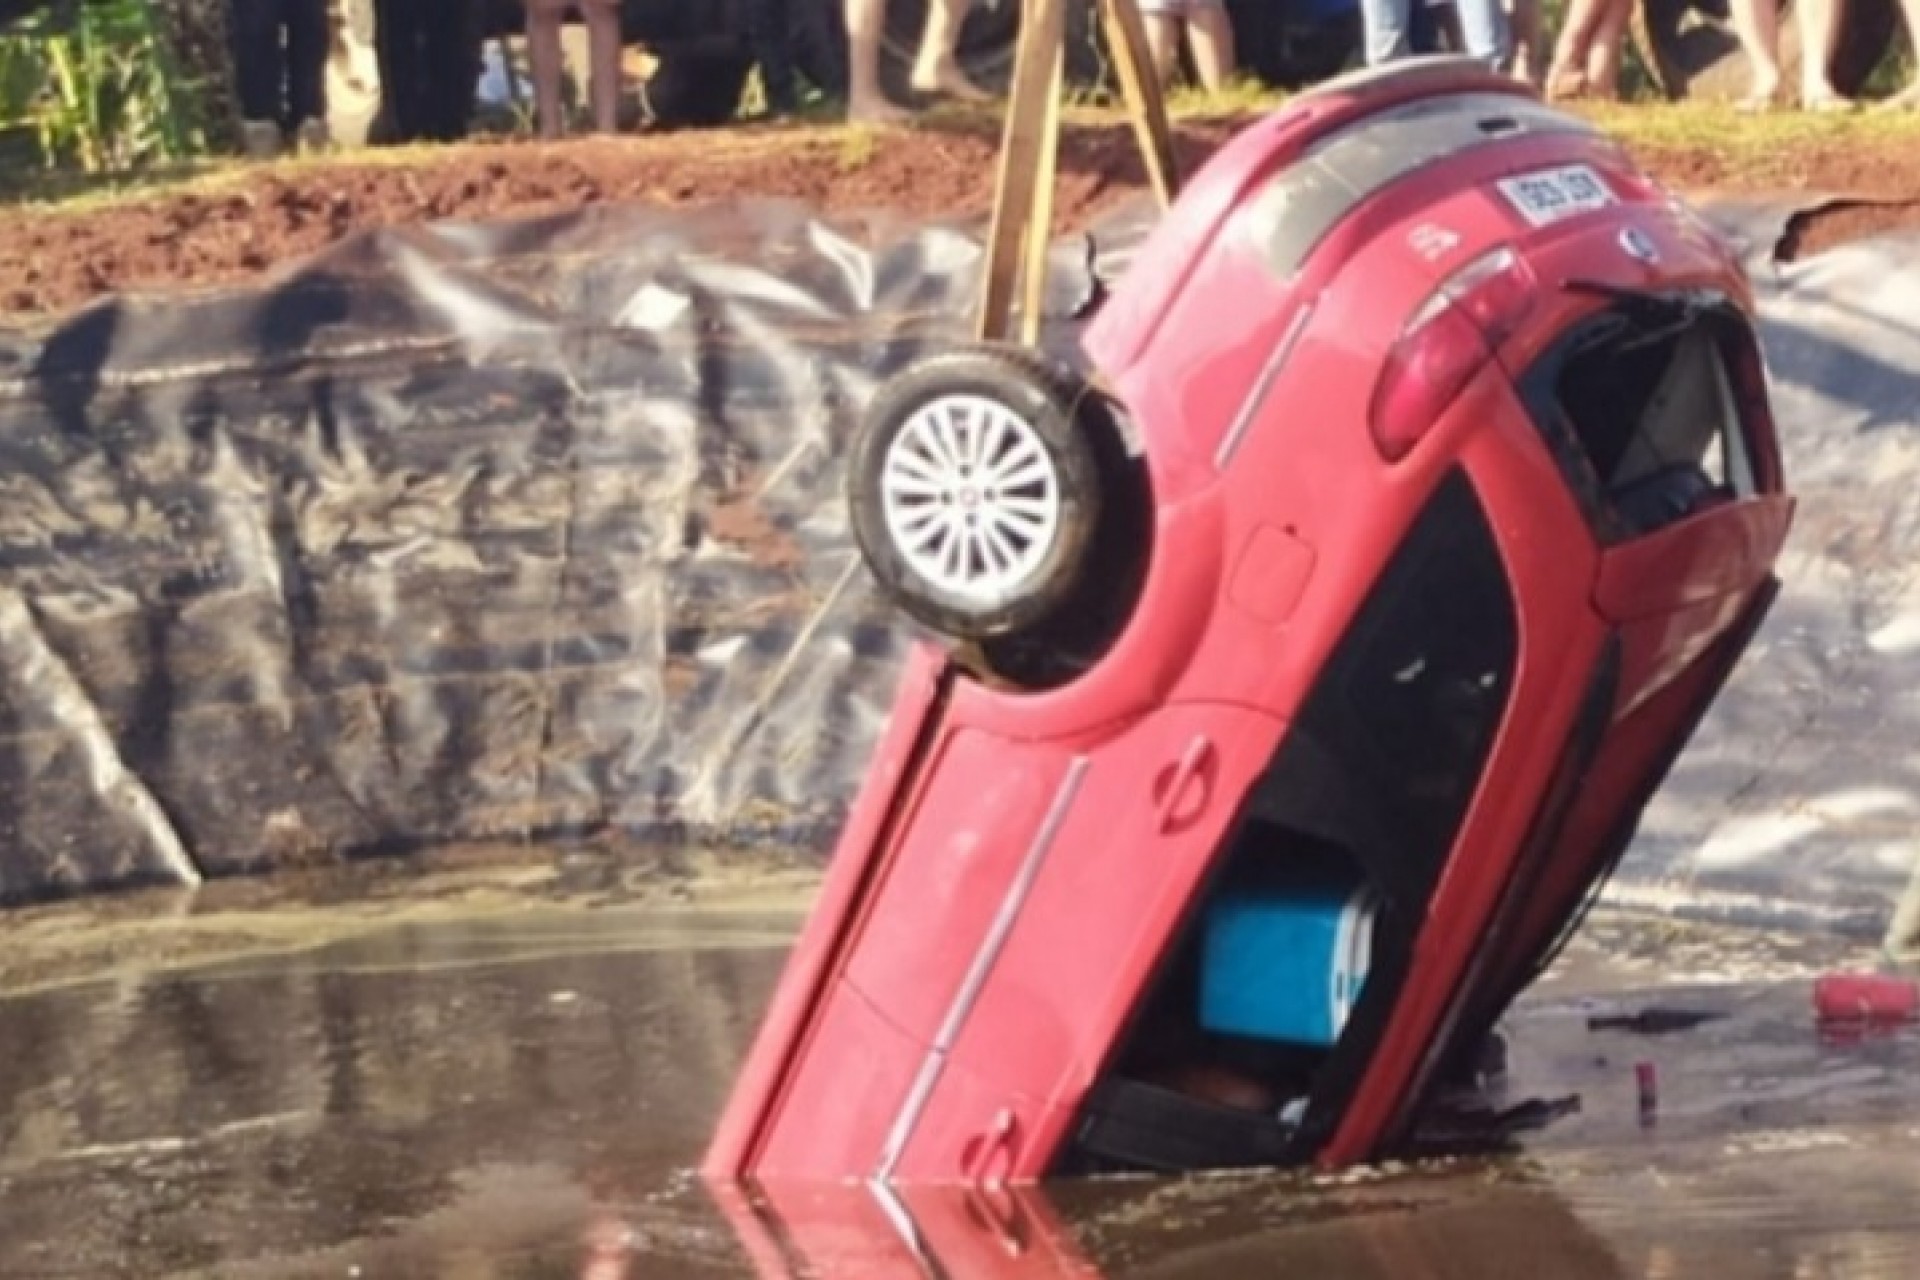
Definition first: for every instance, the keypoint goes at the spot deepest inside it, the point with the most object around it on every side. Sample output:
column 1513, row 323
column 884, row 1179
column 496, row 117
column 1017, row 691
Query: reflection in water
column 521, row 1096
column 1015, row 1234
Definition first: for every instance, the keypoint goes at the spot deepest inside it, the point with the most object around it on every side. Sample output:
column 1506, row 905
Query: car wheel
column 974, row 490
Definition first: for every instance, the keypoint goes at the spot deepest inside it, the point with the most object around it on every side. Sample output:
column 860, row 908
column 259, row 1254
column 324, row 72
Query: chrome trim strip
column 1282, row 352
column 901, row 1217
column 983, row 960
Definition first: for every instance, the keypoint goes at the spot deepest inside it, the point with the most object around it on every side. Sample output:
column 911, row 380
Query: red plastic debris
column 1866, row 997
column 1647, row 1079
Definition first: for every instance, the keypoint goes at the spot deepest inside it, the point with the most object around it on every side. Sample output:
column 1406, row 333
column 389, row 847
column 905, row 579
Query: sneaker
column 313, row 135
column 260, row 139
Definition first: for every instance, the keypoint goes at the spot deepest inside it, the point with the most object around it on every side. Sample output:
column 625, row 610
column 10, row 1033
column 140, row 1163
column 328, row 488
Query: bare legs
column 1208, row 29
column 544, row 54
column 1523, row 20
column 934, row 71
column 545, row 57
column 1757, row 24
column 1210, row 37
column 1586, row 58
column 1163, row 42
column 604, row 49
column 1819, row 39
column 866, row 20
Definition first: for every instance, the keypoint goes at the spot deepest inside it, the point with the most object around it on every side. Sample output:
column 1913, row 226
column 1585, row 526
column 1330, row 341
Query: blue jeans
column 1483, row 29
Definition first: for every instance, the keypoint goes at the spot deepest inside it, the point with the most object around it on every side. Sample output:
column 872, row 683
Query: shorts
column 1178, row 8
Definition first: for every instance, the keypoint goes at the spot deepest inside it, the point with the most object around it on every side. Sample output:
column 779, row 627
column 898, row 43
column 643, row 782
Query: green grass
column 95, row 89
column 1711, row 125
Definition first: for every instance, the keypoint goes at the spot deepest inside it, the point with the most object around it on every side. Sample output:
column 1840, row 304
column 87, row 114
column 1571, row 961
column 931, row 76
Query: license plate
column 1549, row 195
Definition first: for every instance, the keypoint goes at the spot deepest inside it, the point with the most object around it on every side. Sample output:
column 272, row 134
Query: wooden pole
column 1022, row 222
column 1140, row 90
column 1042, row 42
column 1040, row 227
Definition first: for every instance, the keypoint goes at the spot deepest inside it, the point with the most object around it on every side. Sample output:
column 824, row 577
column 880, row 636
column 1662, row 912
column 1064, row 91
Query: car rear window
column 1304, row 200
column 1641, row 409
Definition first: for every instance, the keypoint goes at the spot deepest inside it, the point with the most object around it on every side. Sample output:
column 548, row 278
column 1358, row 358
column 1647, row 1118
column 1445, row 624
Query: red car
column 1324, row 625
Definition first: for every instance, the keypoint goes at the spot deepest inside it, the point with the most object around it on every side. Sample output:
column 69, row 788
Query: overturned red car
column 1323, row 624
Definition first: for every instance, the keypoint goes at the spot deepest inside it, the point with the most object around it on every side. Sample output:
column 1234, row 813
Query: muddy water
column 494, row 1082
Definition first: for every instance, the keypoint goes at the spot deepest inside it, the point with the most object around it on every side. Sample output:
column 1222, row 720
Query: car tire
column 974, row 490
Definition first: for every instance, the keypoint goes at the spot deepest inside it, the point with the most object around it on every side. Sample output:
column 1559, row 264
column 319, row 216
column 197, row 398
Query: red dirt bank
column 52, row 261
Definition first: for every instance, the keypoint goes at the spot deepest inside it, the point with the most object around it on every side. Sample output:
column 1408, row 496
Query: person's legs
column 1387, row 24
column 1430, row 29
column 770, row 32
column 1162, row 21
column 604, row 43
column 452, row 39
column 937, row 70
column 1819, row 40
column 1484, row 31
column 546, row 63
column 1567, row 74
column 396, row 49
column 1603, row 55
column 866, row 101
column 1523, row 17
column 253, row 31
column 1210, row 37
column 307, row 49
column 1757, row 24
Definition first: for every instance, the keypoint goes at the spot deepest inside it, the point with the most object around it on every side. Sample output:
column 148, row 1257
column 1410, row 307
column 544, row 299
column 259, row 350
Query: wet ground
column 484, row 1076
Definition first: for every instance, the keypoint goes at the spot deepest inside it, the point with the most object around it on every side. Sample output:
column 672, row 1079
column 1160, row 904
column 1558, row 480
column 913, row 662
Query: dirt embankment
column 243, row 224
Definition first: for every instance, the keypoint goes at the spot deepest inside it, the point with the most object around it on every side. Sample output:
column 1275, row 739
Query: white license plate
column 1549, row 195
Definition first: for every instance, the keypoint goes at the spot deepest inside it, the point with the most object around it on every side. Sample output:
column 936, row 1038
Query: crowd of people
column 429, row 55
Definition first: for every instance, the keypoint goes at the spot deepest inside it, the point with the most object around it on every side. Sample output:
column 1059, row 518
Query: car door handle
column 1181, row 790
column 988, row 1158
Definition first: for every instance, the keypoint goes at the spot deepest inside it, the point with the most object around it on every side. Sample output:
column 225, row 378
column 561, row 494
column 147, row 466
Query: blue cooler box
column 1285, row 963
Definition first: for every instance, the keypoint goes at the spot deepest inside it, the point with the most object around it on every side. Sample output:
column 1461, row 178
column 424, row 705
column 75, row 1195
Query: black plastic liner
column 505, row 532
column 456, row 534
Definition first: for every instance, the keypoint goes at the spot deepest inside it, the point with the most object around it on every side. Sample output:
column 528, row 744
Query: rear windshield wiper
column 1654, row 313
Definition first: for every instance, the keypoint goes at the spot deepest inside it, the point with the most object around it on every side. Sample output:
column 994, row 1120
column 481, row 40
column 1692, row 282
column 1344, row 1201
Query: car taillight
column 1449, row 339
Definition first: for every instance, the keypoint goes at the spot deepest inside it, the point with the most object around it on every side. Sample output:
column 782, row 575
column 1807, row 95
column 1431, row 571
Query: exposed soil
column 246, row 223
column 1838, row 223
